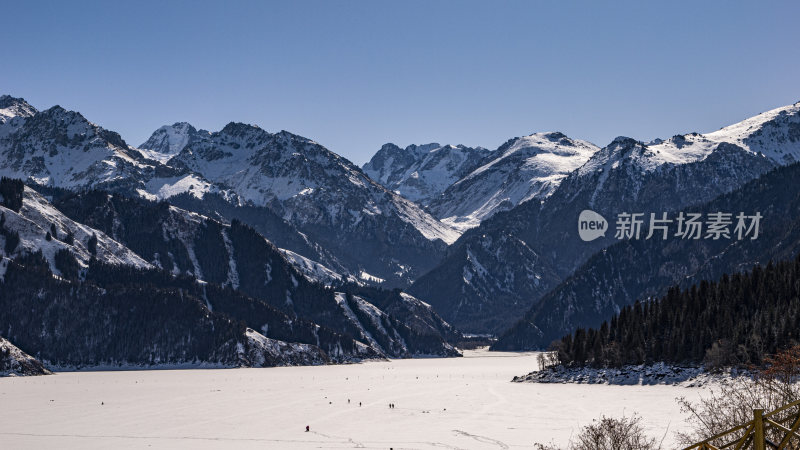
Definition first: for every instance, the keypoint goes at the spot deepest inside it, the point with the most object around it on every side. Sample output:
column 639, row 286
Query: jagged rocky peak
column 623, row 146
column 62, row 148
column 69, row 129
column 11, row 107
column 624, row 143
column 635, row 155
column 555, row 143
column 241, row 130
column 169, row 140
column 422, row 172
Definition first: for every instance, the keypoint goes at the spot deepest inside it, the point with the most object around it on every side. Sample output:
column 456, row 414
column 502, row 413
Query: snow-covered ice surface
column 457, row 403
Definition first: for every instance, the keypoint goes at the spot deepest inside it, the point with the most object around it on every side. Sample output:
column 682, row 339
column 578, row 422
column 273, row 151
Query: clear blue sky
column 354, row 75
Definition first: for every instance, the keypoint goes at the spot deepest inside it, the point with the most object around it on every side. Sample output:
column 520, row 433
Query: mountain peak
column 623, row 142
column 522, row 168
column 14, row 107
column 554, row 142
column 7, row 101
column 59, row 112
column 422, row 172
column 181, row 126
column 237, row 129
column 168, row 141
column 390, row 147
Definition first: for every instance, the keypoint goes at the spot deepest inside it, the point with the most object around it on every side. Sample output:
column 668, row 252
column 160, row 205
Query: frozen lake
column 440, row 403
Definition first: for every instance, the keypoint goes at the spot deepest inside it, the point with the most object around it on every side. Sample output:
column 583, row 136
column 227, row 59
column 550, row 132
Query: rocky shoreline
column 651, row 374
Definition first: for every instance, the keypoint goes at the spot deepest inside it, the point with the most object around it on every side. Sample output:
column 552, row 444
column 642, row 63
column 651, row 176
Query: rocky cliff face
column 422, row 172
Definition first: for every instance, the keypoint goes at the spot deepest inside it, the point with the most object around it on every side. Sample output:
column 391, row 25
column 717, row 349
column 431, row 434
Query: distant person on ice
column 308, row 429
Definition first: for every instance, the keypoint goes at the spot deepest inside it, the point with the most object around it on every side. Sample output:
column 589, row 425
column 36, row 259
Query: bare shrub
column 732, row 404
column 606, row 433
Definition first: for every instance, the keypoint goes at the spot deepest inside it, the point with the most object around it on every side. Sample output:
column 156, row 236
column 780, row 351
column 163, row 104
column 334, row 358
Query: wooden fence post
column 759, row 440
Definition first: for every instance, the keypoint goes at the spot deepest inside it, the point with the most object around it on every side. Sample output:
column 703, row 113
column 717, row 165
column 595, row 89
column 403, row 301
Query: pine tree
column 736, row 321
column 91, row 245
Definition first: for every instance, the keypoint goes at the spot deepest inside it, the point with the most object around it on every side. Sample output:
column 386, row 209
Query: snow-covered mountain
column 235, row 256
column 309, row 182
column 367, row 227
column 774, row 134
column 633, row 270
column 295, row 321
column 421, row 172
column 48, row 253
column 169, row 140
column 521, row 169
column 11, row 107
column 61, row 148
column 626, row 175
column 295, row 191
column 485, row 284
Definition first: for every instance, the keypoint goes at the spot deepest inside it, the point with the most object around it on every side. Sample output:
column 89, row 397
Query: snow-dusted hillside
column 422, row 172
column 15, row 362
column 38, row 218
column 236, row 256
column 261, row 351
column 187, row 242
column 411, row 328
column 774, row 134
column 522, row 169
column 314, row 270
column 485, row 284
